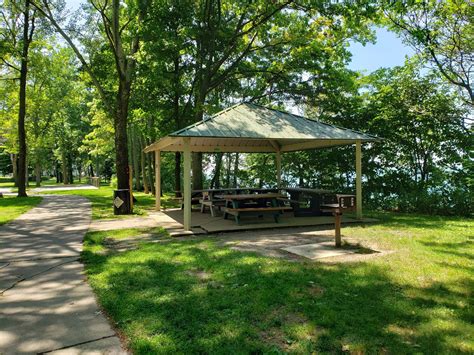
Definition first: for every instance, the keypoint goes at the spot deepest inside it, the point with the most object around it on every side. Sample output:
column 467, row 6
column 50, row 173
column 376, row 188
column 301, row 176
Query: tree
column 442, row 33
column 120, row 32
column 418, row 165
column 19, row 44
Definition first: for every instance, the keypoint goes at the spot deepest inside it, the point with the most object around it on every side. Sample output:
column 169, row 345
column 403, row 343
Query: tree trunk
column 14, row 159
column 79, row 171
column 136, row 160
column 121, row 149
column 27, row 177
column 197, row 171
column 38, row 173
column 143, row 165
column 236, row 168
column 64, row 169
column 177, row 174
column 152, row 173
column 227, row 178
column 69, row 169
column 216, row 179
column 197, row 157
column 22, row 103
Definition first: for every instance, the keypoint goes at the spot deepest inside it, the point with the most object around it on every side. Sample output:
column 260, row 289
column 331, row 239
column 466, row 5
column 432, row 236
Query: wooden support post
column 358, row 179
column 187, row 184
column 157, row 180
column 278, row 167
column 337, row 228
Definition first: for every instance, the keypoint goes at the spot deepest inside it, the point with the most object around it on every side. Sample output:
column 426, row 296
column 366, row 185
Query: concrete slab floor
column 318, row 250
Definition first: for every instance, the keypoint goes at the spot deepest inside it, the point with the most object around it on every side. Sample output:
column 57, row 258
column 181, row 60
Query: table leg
column 274, row 203
column 225, row 209
column 235, row 204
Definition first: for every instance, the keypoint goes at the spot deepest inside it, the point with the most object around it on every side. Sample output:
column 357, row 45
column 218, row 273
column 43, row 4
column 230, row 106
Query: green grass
column 11, row 207
column 194, row 296
column 102, row 202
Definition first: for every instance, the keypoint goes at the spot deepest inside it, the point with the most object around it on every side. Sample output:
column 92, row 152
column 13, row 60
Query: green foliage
column 421, row 165
column 442, row 33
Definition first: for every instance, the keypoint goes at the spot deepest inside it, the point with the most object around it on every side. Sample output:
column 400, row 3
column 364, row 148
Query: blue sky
column 388, row 51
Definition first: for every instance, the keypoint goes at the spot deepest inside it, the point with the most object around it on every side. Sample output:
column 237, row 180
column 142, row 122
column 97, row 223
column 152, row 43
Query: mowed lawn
column 193, row 296
column 12, row 207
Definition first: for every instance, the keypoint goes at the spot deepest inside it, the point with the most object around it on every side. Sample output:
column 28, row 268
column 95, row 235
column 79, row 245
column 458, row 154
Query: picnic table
column 206, row 197
column 256, row 204
column 307, row 202
column 210, row 197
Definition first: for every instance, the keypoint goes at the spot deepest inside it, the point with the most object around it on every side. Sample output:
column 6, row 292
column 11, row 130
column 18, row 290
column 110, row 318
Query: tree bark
column 38, row 173
column 216, row 179
column 143, row 165
column 136, row 160
column 120, row 123
column 14, row 159
column 177, row 174
column 236, row 168
column 64, row 169
column 227, row 178
column 22, row 102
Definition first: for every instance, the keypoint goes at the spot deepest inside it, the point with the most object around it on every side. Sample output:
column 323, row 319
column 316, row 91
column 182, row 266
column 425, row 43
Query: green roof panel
column 248, row 120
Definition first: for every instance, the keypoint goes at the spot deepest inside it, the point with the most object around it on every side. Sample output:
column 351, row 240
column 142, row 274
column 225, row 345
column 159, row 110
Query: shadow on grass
column 193, row 297
column 460, row 249
column 404, row 220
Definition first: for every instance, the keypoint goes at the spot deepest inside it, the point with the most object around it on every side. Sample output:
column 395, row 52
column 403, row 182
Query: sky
column 388, row 51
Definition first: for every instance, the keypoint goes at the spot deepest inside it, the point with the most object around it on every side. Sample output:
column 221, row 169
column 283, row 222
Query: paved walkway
column 46, row 305
column 46, row 188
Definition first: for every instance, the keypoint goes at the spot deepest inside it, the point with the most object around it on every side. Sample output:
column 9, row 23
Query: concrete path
column 46, row 305
column 47, row 188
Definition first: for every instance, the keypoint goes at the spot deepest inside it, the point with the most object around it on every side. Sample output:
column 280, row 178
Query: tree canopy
column 106, row 81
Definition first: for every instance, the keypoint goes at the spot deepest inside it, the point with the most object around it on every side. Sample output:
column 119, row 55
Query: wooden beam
column 157, row 180
column 275, row 145
column 187, row 184
column 220, row 149
column 161, row 143
column 359, row 179
column 315, row 143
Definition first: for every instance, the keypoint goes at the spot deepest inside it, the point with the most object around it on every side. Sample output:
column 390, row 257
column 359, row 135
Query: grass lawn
column 194, row 296
column 11, row 207
column 102, row 201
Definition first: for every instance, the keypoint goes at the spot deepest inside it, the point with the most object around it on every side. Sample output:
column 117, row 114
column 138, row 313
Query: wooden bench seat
column 212, row 204
column 237, row 212
column 257, row 209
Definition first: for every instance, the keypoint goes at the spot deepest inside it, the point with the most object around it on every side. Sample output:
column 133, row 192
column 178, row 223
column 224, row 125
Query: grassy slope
column 193, row 296
column 12, row 207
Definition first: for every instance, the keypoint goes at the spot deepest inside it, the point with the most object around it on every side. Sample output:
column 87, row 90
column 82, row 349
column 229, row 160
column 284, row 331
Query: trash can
column 122, row 202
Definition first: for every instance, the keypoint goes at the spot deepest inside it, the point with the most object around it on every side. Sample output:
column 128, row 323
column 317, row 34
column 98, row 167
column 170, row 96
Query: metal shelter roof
column 248, row 127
